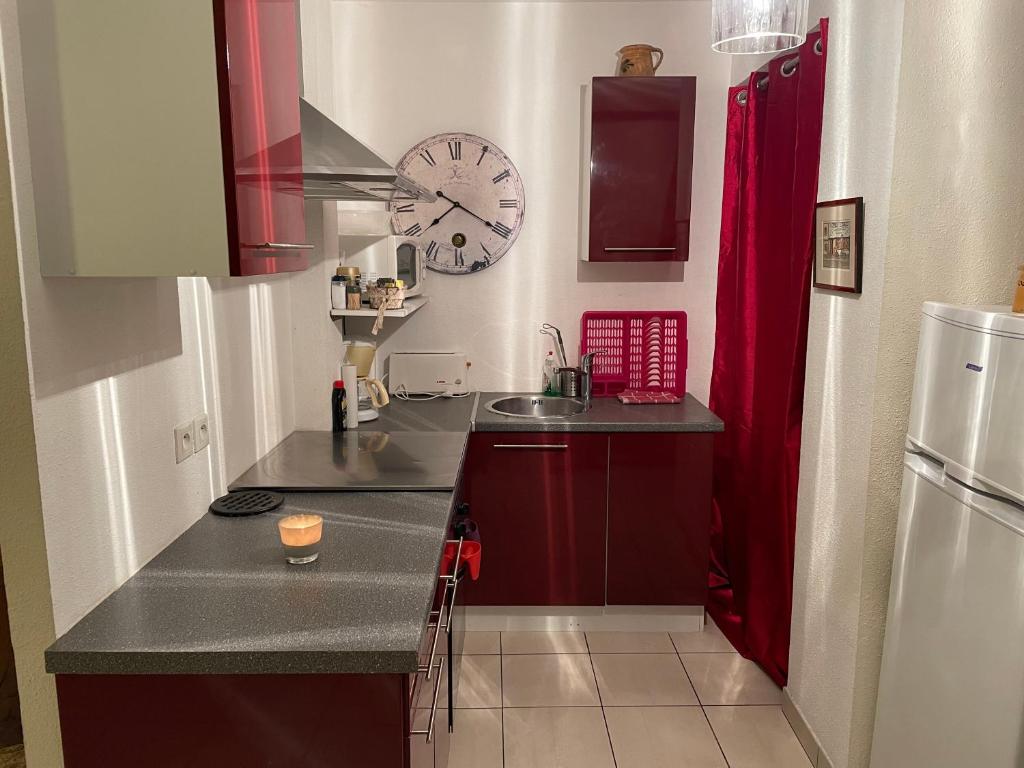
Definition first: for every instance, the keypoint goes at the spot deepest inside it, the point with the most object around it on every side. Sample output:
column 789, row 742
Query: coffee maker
column 372, row 396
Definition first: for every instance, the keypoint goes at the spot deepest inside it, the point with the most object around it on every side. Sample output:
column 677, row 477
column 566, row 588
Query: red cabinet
column 259, row 98
column 590, row 519
column 659, row 518
column 540, row 502
column 641, row 153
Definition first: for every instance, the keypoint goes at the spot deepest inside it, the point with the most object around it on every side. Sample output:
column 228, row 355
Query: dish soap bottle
column 548, row 380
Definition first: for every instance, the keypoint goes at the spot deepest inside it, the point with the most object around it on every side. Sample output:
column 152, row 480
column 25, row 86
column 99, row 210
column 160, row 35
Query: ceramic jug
column 637, row 60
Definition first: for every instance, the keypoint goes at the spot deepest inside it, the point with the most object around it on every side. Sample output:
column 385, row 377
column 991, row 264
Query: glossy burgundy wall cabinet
column 641, row 166
column 259, row 96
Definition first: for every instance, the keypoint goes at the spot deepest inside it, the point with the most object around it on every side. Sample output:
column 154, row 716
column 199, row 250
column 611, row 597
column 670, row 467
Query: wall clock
column 480, row 202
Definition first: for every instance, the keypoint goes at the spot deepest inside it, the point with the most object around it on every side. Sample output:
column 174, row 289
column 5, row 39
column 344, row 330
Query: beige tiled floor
column 617, row 700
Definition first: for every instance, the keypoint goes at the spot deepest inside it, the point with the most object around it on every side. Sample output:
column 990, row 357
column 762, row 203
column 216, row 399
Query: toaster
column 428, row 373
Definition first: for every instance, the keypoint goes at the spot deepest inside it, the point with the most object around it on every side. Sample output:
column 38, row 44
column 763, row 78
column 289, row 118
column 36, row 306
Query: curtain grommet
column 818, row 49
column 741, row 98
column 788, row 68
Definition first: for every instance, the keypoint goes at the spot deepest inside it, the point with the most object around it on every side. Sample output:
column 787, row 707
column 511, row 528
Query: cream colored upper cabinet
column 164, row 136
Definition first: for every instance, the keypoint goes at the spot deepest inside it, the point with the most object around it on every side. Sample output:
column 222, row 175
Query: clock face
column 479, row 208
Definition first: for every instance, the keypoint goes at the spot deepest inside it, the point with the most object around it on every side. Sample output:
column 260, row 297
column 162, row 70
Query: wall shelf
column 411, row 305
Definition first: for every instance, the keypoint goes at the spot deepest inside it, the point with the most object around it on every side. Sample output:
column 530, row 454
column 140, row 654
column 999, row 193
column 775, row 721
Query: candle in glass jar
column 300, row 537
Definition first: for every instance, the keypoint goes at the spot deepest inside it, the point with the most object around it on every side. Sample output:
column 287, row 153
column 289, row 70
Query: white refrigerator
column 951, row 692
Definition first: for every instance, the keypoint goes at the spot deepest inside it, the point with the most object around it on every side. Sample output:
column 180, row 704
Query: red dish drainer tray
column 646, row 351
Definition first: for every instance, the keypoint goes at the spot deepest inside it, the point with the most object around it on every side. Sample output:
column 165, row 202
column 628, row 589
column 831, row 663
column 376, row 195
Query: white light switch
column 201, row 431
column 184, row 441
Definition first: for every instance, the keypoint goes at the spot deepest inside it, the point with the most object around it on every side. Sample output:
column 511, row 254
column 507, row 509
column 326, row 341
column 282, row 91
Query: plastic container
column 644, row 351
column 471, row 555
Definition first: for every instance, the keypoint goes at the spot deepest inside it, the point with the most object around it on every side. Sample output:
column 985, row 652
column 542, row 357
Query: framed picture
column 839, row 245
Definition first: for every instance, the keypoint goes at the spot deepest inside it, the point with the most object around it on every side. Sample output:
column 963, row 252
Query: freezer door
column 951, row 692
column 966, row 408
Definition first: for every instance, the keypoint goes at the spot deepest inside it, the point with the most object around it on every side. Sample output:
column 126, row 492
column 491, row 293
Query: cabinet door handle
column 429, row 667
column 429, row 732
column 622, row 250
column 278, row 246
column 533, row 446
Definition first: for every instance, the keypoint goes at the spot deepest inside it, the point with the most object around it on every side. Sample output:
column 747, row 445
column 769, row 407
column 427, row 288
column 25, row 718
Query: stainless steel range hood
column 337, row 166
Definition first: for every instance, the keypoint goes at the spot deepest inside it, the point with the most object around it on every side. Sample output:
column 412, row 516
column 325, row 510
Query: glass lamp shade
column 757, row 26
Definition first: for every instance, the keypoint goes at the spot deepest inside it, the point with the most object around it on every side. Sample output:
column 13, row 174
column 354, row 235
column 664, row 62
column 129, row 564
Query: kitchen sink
column 535, row 407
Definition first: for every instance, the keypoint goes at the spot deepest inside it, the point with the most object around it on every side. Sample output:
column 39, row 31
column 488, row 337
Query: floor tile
column 476, row 742
column 563, row 737
column 639, row 680
column 629, row 642
column 756, row 737
column 479, row 684
column 728, row 678
column 542, row 642
column 711, row 640
column 662, row 737
column 551, row 680
column 480, row 643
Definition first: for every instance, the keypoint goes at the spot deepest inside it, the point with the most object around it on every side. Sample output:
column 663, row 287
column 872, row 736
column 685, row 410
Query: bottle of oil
column 1018, row 299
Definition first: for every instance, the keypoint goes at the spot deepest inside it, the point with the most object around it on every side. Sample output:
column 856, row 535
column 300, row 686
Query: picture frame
column 839, row 245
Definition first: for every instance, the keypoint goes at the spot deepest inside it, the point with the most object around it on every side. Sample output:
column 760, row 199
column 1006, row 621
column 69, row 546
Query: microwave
column 389, row 256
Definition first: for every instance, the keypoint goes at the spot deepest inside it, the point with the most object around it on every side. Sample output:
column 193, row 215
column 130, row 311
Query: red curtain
column 764, row 280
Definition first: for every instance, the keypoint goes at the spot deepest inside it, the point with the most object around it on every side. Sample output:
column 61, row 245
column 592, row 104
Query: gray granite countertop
column 222, row 599
column 606, row 415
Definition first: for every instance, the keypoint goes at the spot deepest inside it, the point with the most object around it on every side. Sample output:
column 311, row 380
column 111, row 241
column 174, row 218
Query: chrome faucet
column 587, row 377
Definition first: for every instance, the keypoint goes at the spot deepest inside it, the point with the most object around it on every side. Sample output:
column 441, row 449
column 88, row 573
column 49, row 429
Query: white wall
column 512, row 72
column 856, row 160
column 115, row 364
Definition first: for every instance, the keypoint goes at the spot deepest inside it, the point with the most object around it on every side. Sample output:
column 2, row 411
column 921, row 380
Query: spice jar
column 353, row 296
column 1018, row 299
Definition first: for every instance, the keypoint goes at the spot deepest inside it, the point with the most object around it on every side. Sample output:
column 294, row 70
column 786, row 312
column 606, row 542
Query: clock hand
column 456, row 204
column 438, row 219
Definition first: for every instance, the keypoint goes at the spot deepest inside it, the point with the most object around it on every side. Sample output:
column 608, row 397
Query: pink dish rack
column 646, row 351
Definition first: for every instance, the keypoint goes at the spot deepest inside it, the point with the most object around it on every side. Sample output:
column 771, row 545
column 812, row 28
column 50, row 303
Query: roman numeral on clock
column 502, row 176
column 432, row 251
column 414, row 230
column 406, row 208
column 483, row 154
column 509, row 204
column 425, row 154
column 501, row 229
column 459, row 260
column 455, row 149
column 489, row 254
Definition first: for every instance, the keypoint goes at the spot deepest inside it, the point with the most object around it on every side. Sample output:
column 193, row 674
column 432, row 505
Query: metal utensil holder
column 570, row 381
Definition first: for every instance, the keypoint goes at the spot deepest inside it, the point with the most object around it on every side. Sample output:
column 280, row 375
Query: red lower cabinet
column 659, row 518
column 540, row 502
column 209, row 721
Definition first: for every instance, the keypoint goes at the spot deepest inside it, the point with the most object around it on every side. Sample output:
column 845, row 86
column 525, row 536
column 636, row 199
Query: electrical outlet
column 201, row 431
column 184, row 441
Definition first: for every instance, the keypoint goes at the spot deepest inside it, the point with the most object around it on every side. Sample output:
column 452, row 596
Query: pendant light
column 757, row 26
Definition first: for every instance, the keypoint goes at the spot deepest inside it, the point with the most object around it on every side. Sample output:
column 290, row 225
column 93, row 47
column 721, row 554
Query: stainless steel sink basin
column 535, row 407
